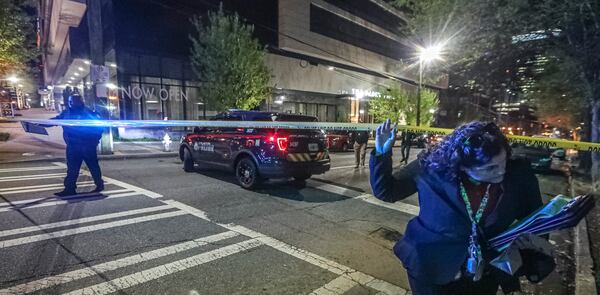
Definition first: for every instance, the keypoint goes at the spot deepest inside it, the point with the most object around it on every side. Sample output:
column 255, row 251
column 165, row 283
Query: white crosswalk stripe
column 23, row 169
column 42, row 202
column 166, row 269
column 31, row 177
column 337, row 286
column 173, row 257
column 78, row 221
column 114, row 265
column 44, row 188
column 28, row 187
column 86, row 229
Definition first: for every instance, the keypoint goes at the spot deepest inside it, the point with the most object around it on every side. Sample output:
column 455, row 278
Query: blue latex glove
column 385, row 136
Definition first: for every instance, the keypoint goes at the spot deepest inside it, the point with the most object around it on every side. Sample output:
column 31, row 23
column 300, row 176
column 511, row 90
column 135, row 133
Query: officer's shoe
column 65, row 193
column 98, row 188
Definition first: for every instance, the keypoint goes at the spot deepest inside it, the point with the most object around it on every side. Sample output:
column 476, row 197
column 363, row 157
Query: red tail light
column 282, row 143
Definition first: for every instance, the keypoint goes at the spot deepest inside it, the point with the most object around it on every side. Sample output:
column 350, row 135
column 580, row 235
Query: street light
column 426, row 55
column 13, row 79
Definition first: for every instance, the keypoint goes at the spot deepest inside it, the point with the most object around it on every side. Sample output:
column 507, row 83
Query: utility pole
column 419, row 92
column 99, row 90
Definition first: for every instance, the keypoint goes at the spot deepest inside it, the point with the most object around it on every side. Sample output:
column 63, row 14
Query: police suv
column 256, row 154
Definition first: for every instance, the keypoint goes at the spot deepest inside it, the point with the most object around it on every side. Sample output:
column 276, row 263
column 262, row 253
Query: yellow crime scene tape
column 527, row 140
column 532, row 141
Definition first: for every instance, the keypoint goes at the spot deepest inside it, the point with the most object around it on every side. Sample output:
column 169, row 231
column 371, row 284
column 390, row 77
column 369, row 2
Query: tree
column 18, row 50
column 229, row 61
column 485, row 36
column 400, row 106
column 559, row 101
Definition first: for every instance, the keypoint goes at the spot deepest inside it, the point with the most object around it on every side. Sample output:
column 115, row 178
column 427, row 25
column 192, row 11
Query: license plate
column 313, row 147
column 294, row 144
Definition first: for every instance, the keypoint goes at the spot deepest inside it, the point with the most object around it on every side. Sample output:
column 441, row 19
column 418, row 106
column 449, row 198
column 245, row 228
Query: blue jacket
column 434, row 246
column 76, row 135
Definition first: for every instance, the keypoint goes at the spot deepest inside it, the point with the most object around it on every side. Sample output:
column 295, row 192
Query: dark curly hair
column 471, row 144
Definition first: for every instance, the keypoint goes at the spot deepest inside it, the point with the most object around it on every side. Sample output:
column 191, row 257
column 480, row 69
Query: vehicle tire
column 344, row 147
column 188, row 161
column 302, row 176
column 246, row 174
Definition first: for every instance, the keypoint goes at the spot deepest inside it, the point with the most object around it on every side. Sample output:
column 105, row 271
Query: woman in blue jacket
column 469, row 190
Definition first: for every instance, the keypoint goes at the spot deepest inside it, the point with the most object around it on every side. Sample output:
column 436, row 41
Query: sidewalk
column 23, row 146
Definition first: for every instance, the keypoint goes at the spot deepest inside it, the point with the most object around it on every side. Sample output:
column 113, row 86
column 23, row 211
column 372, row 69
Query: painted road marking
column 347, row 279
column 79, row 221
column 101, row 268
column 312, row 258
column 63, row 200
column 47, row 188
column 31, row 177
column 338, row 286
column 16, row 188
column 94, row 198
column 346, row 167
column 166, row 269
column 87, row 229
column 7, row 170
column 398, row 206
column 334, row 189
column 142, row 191
column 368, row 198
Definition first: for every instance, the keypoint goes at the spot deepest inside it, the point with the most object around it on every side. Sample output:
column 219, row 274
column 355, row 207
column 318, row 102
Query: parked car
column 558, row 153
column 255, row 154
column 338, row 140
column 539, row 157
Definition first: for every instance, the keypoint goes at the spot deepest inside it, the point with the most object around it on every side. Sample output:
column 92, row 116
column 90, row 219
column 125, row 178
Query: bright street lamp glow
column 428, row 54
column 13, row 79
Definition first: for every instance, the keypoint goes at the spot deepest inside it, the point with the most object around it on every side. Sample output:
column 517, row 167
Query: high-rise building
column 327, row 57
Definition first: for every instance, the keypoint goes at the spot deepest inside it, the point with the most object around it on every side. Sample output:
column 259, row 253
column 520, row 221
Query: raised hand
column 385, row 136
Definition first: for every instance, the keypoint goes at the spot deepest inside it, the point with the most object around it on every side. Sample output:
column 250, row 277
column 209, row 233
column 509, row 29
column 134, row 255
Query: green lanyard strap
column 475, row 219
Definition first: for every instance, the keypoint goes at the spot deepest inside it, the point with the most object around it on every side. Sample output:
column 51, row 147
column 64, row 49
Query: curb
column 585, row 283
column 138, row 156
column 105, row 157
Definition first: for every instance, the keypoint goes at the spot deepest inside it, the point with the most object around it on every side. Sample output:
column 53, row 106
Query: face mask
column 491, row 172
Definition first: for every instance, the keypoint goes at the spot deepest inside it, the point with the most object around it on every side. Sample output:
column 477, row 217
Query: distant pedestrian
column 81, row 145
column 407, row 138
column 361, row 138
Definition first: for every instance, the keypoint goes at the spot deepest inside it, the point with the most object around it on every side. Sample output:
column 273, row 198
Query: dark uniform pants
column 77, row 153
column 405, row 150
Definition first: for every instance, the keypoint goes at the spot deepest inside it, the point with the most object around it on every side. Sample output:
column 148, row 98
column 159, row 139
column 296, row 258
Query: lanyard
column 475, row 260
column 475, row 219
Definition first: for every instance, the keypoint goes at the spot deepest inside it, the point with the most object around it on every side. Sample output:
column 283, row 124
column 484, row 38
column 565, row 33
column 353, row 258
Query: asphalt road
column 159, row 230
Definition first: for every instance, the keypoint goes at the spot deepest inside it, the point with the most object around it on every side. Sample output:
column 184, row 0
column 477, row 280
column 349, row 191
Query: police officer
column 81, row 145
column 361, row 139
column 407, row 138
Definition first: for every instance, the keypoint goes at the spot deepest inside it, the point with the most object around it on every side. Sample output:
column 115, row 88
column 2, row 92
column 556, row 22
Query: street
column 156, row 229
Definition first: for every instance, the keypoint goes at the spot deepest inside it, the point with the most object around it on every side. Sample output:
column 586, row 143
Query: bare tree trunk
column 596, row 138
column 585, row 157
